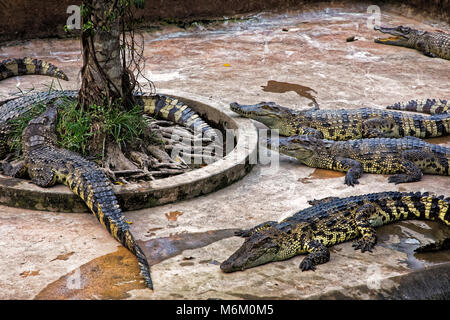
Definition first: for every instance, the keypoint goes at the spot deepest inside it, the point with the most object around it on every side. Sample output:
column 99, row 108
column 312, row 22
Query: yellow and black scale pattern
column 429, row 106
column 331, row 221
column 407, row 158
column 27, row 66
column 351, row 124
column 47, row 165
column 177, row 111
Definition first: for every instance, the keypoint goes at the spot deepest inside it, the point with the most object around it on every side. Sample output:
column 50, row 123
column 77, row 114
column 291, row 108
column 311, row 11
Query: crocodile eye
column 267, row 107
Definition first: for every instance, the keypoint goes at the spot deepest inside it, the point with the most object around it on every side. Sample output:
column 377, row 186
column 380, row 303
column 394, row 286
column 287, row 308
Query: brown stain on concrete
column 63, row 257
column 173, row 215
column 29, row 273
column 322, row 174
column 113, row 275
column 107, row 277
column 283, row 87
column 439, row 140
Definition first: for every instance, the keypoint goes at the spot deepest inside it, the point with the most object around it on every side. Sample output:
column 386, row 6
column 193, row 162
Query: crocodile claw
column 307, row 264
column 364, row 244
column 350, row 181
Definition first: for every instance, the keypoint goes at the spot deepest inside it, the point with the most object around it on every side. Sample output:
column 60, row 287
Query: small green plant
column 75, row 126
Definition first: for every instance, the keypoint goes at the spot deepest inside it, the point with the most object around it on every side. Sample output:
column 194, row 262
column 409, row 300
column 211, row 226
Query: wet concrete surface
column 44, row 254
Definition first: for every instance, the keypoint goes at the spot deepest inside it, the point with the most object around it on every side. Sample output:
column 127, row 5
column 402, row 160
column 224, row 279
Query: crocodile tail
column 91, row 185
column 26, row 66
column 178, row 112
column 428, row 106
column 428, row 207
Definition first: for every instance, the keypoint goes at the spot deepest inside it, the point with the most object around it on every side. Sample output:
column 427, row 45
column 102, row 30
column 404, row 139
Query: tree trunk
column 105, row 78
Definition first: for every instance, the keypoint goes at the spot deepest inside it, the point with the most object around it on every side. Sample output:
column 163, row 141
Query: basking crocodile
column 331, row 221
column 25, row 66
column 351, row 124
column 407, row 158
column 46, row 165
column 432, row 44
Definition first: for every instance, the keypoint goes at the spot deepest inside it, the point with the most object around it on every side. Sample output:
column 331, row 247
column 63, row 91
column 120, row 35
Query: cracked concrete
column 233, row 62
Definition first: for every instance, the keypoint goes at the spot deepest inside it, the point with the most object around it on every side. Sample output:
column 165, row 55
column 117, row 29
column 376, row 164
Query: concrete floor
column 49, row 255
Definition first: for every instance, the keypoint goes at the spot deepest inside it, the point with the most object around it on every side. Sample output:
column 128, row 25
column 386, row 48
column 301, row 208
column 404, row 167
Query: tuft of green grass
column 75, row 126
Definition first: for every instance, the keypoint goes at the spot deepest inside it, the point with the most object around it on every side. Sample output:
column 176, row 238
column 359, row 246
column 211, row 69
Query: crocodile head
column 301, row 147
column 41, row 130
column 262, row 247
column 269, row 113
column 400, row 36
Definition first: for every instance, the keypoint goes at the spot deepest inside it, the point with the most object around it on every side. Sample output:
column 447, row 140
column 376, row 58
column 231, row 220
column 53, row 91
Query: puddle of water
column 160, row 249
column 283, row 87
column 113, row 275
column 406, row 243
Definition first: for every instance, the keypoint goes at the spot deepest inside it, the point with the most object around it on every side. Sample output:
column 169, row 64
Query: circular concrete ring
column 235, row 165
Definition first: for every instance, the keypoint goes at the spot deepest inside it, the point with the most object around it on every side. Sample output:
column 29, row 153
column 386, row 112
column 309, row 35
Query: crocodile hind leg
column 368, row 236
column 318, row 254
column 353, row 168
column 411, row 171
column 377, row 128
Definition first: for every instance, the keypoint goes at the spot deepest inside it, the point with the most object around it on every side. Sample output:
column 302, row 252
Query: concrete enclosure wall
column 26, row 19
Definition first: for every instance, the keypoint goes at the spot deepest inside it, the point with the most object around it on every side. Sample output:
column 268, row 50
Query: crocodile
column 47, row 165
column 25, row 66
column 351, row 124
column 331, row 221
column 432, row 44
column 407, row 158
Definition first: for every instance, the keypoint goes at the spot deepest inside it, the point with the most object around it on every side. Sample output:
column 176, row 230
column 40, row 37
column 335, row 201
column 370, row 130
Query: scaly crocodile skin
column 407, row 158
column 24, row 66
column 331, row 221
column 350, row 124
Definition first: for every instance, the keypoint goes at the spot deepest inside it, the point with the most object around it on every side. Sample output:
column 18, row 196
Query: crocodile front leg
column 318, row 254
column 368, row 236
column 353, row 168
column 14, row 169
